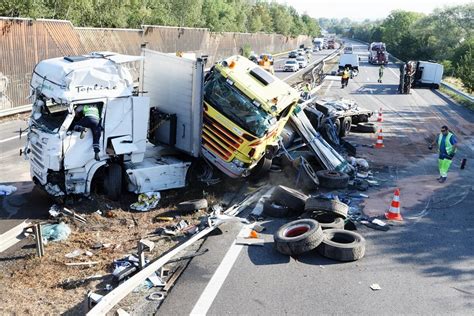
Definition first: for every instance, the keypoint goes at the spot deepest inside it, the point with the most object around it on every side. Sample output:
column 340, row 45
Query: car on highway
column 293, row 54
column 300, row 52
column 302, row 62
column 291, row 65
column 315, row 49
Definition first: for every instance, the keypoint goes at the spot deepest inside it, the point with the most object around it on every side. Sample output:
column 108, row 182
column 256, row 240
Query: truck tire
column 298, row 237
column 295, row 200
column 329, row 221
column 192, row 205
column 337, row 126
column 262, row 167
column 363, row 118
column 366, row 127
column 113, row 181
column 273, row 209
column 332, row 179
column 323, row 205
column 345, row 127
column 342, row 245
column 310, row 179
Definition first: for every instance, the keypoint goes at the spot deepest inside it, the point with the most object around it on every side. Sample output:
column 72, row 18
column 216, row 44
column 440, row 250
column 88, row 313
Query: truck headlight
column 238, row 163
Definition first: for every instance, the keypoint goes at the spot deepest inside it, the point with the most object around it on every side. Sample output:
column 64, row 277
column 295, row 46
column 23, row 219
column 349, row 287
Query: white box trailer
column 428, row 74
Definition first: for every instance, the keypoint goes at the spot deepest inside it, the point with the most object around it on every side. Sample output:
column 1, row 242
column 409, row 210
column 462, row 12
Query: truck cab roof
column 94, row 75
column 258, row 84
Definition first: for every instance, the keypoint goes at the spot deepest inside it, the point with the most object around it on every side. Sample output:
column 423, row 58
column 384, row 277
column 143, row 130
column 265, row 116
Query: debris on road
column 55, row 232
column 146, row 201
column 7, row 189
column 342, row 245
column 298, row 237
column 375, row 287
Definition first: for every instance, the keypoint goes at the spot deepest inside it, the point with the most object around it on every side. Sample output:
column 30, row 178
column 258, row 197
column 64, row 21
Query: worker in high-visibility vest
column 345, row 77
column 90, row 119
column 447, row 146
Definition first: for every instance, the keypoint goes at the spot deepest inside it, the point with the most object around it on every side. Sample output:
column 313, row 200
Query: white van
column 349, row 60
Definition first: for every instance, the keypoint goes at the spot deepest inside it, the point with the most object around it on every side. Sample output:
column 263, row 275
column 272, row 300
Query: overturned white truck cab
column 62, row 162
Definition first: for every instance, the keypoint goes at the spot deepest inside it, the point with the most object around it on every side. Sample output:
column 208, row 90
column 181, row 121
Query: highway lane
column 423, row 266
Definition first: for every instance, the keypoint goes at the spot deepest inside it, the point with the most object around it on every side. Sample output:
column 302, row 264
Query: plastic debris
column 55, row 232
column 375, row 287
column 53, row 190
column 146, row 201
column 7, row 189
column 75, row 253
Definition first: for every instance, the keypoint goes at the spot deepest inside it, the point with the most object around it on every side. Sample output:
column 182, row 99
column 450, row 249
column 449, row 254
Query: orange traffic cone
column 379, row 143
column 380, row 118
column 393, row 213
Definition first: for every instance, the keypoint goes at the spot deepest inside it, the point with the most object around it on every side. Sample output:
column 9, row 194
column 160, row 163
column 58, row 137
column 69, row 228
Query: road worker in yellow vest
column 90, row 119
column 447, row 146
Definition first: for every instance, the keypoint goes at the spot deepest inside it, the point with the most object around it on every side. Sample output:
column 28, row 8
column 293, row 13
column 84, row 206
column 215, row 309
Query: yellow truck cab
column 245, row 110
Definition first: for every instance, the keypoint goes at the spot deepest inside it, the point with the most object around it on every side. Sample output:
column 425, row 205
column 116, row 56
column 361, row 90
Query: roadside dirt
column 32, row 285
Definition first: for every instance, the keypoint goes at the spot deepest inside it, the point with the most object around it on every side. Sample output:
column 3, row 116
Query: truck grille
column 37, row 161
column 218, row 138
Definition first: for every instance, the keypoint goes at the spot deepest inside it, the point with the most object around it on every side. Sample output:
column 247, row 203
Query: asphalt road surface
column 423, row 265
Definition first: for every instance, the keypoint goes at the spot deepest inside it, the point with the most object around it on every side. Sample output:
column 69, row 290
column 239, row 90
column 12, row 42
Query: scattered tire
column 308, row 178
column 113, row 181
column 273, row 209
column 332, row 179
column 366, row 127
column 342, row 245
column 345, row 127
column 329, row 220
column 317, row 204
column 294, row 199
column 192, row 205
column 298, row 237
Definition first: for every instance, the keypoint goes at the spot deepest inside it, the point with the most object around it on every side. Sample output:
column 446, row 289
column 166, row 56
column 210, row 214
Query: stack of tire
column 321, row 229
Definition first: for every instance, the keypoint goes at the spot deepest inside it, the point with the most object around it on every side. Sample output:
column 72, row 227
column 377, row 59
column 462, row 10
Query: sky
column 359, row 10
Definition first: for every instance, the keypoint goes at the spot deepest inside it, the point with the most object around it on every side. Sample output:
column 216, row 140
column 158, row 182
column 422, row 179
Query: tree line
column 218, row 15
column 445, row 36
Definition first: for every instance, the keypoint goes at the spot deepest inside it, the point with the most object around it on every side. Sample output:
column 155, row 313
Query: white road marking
column 329, row 87
column 212, row 289
column 8, row 139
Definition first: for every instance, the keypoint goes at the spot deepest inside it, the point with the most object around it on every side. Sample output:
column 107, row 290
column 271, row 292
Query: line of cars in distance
column 298, row 59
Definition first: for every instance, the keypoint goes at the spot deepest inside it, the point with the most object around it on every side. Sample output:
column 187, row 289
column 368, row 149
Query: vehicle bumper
column 228, row 168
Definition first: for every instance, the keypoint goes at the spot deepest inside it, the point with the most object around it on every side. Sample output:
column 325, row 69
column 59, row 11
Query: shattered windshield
column 49, row 117
column 236, row 106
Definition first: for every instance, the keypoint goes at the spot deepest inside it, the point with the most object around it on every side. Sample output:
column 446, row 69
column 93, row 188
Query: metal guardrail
column 457, row 91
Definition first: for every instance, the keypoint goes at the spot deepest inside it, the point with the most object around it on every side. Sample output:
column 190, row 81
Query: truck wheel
column 298, row 237
column 325, row 206
column 113, row 181
column 337, row 126
column 294, row 199
column 345, row 127
column 329, row 221
column 332, row 179
column 342, row 245
column 274, row 209
column 262, row 167
column 366, row 128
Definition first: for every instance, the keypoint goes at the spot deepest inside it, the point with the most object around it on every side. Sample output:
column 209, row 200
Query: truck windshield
column 236, row 106
column 52, row 116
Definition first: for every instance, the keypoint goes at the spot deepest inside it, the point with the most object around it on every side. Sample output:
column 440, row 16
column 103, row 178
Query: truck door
column 175, row 87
